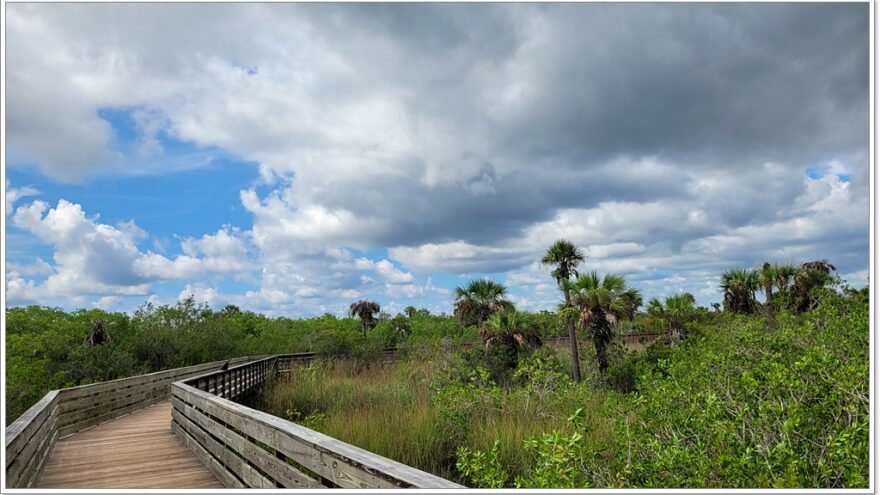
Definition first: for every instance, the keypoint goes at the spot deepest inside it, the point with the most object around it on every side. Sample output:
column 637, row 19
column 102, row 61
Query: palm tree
column 480, row 299
column 364, row 310
column 785, row 274
column 566, row 257
column 600, row 303
column 410, row 311
column 811, row 275
column 98, row 335
column 509, row 329
column 768, row 277
column 739, row 286
column 674, row 312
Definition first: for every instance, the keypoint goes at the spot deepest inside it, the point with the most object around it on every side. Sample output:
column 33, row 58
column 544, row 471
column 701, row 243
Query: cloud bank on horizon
column 394, row 150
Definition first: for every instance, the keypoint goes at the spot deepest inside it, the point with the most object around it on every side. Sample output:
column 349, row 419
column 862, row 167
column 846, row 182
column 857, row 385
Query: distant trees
column 365, row 310
column 479, row 300
column 599, row 304
column 784, row 286
column 565, row 257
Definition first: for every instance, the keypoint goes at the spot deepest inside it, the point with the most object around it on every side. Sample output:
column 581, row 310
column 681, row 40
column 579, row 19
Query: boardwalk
column 134, row 451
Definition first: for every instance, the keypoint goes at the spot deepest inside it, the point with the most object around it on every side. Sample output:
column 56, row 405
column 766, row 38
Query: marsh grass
column 388, row 409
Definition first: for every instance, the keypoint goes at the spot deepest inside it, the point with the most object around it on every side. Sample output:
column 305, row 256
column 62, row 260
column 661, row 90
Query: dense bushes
column 735, row 405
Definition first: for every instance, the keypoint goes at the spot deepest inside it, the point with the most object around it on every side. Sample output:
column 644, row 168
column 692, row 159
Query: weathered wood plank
column 75, row 427
column 26, row 462
column 217, row 469
column 285, row 474
column 232, row 462
column 314, row 450
column 22, row 429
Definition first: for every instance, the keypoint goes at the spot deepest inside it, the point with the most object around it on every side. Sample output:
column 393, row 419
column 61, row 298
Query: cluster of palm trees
column 784, row 286
column 597, row 303
column 591, row 302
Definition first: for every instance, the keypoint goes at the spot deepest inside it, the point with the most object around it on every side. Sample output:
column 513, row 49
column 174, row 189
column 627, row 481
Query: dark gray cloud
column 465, row 137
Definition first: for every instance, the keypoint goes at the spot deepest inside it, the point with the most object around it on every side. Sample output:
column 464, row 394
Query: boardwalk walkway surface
column 134, row 451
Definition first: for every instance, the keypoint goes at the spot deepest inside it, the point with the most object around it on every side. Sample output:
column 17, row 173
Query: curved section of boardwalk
column 135, row 451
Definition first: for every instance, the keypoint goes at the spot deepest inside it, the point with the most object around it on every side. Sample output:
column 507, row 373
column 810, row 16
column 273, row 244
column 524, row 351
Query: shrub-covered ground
column 734, row 405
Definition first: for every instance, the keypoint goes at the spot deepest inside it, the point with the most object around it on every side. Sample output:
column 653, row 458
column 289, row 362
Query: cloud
column 667, row 140
column 14, row 194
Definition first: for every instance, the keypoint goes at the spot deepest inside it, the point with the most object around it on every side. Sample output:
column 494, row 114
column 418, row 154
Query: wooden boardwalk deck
column 135, row 451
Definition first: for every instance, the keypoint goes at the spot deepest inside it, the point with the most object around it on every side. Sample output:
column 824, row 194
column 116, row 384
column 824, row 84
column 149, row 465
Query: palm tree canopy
column 364, row 310
column 823, row 266
column 480, row 299
column 566, row 257
column 510, row 328
column 610, row 294
column 739, row 279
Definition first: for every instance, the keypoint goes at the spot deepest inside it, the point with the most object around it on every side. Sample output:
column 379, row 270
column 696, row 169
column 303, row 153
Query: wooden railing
column 244, row 447
column 30, row 438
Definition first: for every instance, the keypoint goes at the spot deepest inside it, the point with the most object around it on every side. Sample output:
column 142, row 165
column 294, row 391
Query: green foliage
column 482, row 469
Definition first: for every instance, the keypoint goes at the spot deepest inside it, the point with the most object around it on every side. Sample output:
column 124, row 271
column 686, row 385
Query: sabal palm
column 673, row 312
column 739, row 286
column 767, row 277
column 565, row 257
column 811, row 274
column 785, row 274
column 480, row 299
column 600, row 303
column 509, row 328
column 364, row 310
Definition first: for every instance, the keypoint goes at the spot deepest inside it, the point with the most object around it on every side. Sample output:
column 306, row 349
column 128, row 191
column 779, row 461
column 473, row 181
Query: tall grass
column 388, row 409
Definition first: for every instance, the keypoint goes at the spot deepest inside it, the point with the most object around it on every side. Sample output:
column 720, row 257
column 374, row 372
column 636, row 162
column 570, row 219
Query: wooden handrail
column 245, row 447
column 31, row 437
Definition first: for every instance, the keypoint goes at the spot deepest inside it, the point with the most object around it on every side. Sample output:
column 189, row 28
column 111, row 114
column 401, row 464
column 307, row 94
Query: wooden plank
column 120, row 402
column 314, row 450
column 213, row 465
column 285, row 474
column 45, row 451
column 26, row 462
column 75, row 427
column 135, row 451
column 23, row 428
column 236, row 464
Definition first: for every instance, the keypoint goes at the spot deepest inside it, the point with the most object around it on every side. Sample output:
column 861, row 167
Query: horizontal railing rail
column 30, row 438
column 245, row 447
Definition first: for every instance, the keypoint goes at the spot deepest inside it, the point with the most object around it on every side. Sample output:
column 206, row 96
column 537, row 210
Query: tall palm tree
column 480, row 299
column 767, row 277
column 600, row 304
column 364, row 310
column 739, row 286
column 674, row 312
column 566, row 257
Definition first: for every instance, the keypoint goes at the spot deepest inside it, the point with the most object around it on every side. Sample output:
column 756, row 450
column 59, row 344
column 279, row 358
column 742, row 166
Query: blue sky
column 291, row 159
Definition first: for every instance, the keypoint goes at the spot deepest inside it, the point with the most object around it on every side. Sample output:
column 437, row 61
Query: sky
column 293, row 158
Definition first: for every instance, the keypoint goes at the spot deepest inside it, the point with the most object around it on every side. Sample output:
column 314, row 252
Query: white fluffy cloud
column 461, row 138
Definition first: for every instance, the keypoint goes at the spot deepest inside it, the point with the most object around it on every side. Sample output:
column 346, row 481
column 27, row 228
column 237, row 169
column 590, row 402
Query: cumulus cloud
column 667, row 140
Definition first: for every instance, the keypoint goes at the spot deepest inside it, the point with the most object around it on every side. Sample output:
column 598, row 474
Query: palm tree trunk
column 771, row 316
column 601, row 354
column 572, row 340
column 364, row 328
